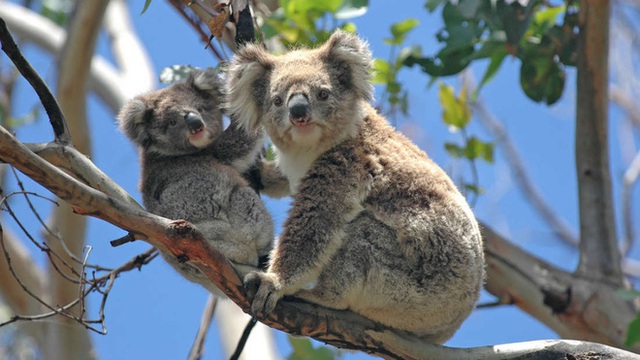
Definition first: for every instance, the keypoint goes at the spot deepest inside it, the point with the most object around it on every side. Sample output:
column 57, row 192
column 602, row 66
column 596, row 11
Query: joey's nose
column 194, row 122
column 299, row 109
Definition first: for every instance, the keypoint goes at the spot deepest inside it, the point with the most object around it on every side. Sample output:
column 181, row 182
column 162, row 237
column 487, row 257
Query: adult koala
column 375, row 225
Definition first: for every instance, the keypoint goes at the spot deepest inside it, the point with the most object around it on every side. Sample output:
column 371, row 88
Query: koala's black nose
column 299, row 109
column 194, row 122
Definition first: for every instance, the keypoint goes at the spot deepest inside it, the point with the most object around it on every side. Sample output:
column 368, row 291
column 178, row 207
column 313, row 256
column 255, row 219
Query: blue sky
column 155, row 313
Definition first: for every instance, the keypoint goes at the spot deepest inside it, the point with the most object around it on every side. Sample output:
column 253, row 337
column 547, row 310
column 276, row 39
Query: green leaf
column 477, row 149
column 454, row 150
column 57, row 11
column 474, row 189
column 400, row 30
column 349, row 27
column 381, row 71
column 549, row 16
column 469, row 8
column 492, row 69
column 455, row 111
column 175, row 73
column 146, row 6
column 405, row 52
column 432, row 5
column 542, row 78
column 303, row 350
column 633, row 332
column 352, row 8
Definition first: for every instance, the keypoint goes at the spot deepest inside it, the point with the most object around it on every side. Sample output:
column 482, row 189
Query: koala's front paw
column 263, row 290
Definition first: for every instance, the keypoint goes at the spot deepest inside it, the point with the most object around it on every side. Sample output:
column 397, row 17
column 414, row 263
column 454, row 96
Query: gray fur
column 195, row 175
column 375, row 226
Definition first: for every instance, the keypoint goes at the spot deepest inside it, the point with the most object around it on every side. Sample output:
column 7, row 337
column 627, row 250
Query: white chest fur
column 295, row 165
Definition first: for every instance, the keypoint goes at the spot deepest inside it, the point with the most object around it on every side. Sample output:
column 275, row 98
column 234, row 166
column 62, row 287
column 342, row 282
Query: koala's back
column 412, row 258
column 189, row 187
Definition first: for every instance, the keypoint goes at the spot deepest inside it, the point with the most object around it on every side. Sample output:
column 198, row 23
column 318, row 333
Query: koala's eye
column 277, row 101
column 172, row 122
column 323, row 94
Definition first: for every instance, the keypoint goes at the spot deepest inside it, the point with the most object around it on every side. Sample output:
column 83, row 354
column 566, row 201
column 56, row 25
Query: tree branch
column 599, row 254
column 46, row 96
column 197, row 350
column 572, row 306
column 630, row 178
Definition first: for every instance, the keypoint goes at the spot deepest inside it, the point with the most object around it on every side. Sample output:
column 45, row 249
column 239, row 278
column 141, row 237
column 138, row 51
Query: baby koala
column 376, row 226
column 191, row 170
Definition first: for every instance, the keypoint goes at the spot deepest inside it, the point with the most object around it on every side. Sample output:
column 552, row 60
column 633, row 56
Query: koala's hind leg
column 251, row 220
column 343, row 283
column 229, row 241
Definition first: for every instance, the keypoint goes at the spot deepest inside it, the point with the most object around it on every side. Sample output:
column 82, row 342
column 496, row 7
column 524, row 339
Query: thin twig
column 521, row 175
column 47, row 99
column 629, row 180
column 197, row 350
column 196, row 24
column 243, row 339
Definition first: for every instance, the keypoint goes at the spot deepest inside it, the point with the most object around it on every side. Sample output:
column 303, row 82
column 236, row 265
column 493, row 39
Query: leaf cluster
column 542, row 36
column 308, row 23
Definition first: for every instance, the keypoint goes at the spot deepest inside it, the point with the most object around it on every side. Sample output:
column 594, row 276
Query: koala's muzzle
column 194, row 122
column 299, row 110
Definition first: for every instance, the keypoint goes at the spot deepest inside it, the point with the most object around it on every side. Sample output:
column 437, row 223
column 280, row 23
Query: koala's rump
column 370, row 276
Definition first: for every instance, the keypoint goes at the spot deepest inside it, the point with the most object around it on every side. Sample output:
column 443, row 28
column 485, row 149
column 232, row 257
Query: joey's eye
column 323, row 94
column 172, row 122
column 277, row 101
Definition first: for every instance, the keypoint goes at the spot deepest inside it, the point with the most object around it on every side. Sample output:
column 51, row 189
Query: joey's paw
column 263, row 290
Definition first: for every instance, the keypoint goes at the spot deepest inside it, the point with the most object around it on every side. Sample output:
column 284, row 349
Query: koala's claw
column 263, row 291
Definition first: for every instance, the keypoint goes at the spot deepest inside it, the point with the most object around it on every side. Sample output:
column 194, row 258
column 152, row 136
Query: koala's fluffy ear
column 353, row 52
column 247, row 85
column 131, row 119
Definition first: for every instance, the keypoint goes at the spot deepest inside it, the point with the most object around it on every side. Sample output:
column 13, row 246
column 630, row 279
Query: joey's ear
column 352, row 53
column 132, row 118
column 206, row 80
column 247, row 85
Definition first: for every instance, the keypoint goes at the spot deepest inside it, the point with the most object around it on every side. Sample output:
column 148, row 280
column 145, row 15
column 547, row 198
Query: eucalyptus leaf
column 633, row 332
column 146, row 6
column 352, row 8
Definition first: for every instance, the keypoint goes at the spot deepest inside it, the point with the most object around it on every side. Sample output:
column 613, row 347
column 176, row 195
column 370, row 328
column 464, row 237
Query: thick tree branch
column 599, row 253
column 572, row 306
column 81, row 168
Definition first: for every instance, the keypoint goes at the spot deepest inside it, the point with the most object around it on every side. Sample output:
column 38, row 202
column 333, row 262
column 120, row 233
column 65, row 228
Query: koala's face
column 179, row 119
column 304, row 98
